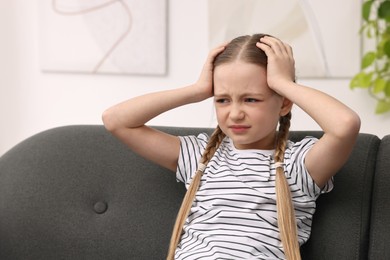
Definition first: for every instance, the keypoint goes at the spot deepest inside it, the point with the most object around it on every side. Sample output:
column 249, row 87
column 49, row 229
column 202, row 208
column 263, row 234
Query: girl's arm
column 340, row 124
column 127, row 120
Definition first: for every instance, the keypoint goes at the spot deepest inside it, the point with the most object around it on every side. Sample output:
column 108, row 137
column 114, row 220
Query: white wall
column 32, row 101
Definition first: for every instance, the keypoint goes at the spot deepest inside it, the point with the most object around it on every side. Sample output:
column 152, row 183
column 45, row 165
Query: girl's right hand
column 204, row 85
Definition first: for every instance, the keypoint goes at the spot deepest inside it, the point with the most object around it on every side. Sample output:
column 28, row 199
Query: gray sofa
column 75, row 192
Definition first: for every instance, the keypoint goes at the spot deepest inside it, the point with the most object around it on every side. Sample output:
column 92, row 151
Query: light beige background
column 314, row 28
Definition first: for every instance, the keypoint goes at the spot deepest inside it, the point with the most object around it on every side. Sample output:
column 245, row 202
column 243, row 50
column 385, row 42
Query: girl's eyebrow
column 220, row 95
column 247, row 94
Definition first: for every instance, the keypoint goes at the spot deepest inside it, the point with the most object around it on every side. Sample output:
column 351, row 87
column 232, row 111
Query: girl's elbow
column 109, row 120
column 351, row 125
column 355, row 123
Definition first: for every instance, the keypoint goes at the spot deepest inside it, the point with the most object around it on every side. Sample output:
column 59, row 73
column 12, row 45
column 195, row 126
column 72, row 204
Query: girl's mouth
column 239, row 129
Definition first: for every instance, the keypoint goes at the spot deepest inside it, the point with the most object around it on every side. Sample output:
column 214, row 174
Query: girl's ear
column 286, row 107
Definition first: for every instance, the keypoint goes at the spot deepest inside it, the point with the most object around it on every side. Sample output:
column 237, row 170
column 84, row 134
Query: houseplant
column 375, row 66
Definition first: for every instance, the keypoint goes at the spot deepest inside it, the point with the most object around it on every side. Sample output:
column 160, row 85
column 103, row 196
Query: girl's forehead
column 240, row 77
column 239, row 71
column 236, row 64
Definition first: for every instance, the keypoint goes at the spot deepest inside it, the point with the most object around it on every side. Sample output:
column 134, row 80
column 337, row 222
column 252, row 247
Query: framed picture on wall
column 324, row 34
column 103, row 36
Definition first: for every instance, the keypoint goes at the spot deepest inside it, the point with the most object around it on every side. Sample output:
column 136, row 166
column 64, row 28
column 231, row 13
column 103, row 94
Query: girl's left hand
column 280, row 67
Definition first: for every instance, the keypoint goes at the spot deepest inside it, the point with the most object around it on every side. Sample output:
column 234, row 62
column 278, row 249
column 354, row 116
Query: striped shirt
column 234, row 212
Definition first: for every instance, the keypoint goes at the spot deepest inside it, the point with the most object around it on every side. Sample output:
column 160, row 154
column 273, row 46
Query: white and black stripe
column 234, row 212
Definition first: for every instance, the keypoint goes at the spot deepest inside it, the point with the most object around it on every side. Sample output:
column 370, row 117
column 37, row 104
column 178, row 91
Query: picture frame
column 96, row 36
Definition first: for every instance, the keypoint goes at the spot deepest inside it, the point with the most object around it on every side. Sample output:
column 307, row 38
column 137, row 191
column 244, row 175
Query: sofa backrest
column 76, row 192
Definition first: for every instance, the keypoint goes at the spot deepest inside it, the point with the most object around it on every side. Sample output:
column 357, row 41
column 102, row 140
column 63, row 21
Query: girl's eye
column 251, row 100
column 221, row 100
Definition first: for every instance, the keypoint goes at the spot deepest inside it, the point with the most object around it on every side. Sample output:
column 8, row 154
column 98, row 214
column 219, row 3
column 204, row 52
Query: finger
column 276, row 44
column 289, row 50
column 217, row 50
column 266, row 48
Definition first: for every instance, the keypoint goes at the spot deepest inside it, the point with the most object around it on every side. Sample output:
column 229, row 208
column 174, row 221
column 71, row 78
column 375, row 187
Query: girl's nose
column 236, row 112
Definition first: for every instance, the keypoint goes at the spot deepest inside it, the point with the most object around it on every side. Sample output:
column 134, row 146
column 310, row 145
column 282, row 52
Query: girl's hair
column 213, row 144
column 244, row 48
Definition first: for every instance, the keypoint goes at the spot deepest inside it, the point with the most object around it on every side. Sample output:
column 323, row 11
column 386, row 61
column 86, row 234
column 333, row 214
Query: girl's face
column 247, row 109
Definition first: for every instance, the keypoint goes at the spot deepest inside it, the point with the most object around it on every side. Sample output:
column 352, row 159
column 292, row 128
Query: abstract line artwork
column 324, row 34
column 103, row 36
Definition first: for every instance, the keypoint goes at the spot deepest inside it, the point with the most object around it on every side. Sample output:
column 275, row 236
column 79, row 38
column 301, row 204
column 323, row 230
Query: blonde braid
column 213, row 144
column 285, row 209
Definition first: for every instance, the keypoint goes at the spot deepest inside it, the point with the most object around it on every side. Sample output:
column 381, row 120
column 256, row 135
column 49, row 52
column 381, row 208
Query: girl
column 251, row 192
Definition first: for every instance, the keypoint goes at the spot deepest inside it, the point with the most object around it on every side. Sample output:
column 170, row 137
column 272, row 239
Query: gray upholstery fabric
column 75, row 192
column 380, row 219
column 342, row 220
column 50, row 183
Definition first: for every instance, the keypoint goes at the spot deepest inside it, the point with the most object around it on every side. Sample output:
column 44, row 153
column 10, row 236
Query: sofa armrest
column 380, row 218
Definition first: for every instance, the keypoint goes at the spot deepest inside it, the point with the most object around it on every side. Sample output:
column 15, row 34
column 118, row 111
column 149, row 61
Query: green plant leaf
column 387, row 31
column 379, row 85
column 385, row 67
column 361, row 80
column 383, row 46
column 384, row 10
column 387, row 89
column 386, row 48
column 382, row 107
column 368, row 59
column 366, row 10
